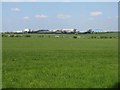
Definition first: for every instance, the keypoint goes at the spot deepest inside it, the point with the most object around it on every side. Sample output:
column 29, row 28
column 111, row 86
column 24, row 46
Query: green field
column 32, row 62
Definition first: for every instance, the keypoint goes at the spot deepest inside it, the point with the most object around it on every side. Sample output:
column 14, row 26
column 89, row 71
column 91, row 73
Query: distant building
column 43, row 31
column 69, row 30
column 26, row 30
column 64, row 30
column 19, row 32
column 48, row 31
column 89, row 31
column 55, row 30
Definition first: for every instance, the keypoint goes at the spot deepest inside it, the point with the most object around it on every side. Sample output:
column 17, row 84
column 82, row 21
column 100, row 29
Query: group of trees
column 90, row 31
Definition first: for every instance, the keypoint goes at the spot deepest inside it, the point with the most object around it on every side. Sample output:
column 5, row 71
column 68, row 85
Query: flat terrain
column 32, row 62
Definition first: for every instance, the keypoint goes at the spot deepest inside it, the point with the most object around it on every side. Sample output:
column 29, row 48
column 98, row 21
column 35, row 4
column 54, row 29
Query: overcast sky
column 51, row 15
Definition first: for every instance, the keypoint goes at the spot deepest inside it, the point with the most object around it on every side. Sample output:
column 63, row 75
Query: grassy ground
column 82, row 36
column 0, row 61
column 59, row 62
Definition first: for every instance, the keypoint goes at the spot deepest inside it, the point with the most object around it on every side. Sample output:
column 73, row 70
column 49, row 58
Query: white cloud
column 41, row 16
column 96, row 13
column 26, row 17
column 15, row 9
column 62, row 16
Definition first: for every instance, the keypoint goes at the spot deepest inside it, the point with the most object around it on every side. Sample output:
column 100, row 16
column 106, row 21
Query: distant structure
column 57, row 31
column 42, row 31
column 26, row 30
column 64, row 30
column 89, row 31
column 19, row 32
column 69, row 30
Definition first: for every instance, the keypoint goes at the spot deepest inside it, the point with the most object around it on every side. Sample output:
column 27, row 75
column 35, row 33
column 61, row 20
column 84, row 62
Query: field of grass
column 59, row 62
column 82, row 36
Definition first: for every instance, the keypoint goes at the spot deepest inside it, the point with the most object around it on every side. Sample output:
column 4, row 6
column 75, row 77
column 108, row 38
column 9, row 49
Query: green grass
column 82, row 36
column 59, row 62
column 0, row 61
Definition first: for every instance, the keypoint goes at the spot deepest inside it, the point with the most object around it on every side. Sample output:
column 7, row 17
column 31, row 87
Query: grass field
column 59, row 62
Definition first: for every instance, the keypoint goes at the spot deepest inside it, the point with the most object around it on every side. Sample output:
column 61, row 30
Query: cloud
column 41, row 16
column 26, row 17
column 96, row 13
column 62, row 16
column 15, row 9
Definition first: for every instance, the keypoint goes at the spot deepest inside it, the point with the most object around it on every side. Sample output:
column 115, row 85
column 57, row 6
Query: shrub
column 4, row 35
column 102, row 37
column 75, row 37
column 27, row 36
column 110, row 37
column 41, row 36
column 11, row 35
column 93, row 37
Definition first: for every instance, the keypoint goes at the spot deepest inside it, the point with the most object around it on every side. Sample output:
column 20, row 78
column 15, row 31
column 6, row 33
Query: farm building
column 55, row 30
column 48, row 31
column 64, row 30
column 26, row 30
column 69, row 30
column 43, row 31
column 58, row 31
column 19, row 32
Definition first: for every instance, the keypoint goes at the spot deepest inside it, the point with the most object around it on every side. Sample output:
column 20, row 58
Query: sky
column 58, row 15
column 0, row 16
column 60, row 0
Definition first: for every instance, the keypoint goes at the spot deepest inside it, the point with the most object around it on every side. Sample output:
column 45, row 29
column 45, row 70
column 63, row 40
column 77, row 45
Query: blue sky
column 0, row 16
column 55, row 15
column 60, row 0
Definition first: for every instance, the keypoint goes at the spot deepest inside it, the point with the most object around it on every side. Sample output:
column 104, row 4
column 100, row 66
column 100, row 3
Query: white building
column 26, row 30
column 54, row 30
column 18, row 31
column 68, row 30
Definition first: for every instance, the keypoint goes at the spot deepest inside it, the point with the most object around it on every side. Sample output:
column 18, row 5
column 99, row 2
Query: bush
column 41, row 36
column 75, row 37
column 103, row 37
column 93, row 37
column 27, row 36
column 4, row 35
column 110, row 37
column 11, row 35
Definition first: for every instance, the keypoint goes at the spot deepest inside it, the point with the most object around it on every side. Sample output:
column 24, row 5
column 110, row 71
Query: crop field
column 46, row 62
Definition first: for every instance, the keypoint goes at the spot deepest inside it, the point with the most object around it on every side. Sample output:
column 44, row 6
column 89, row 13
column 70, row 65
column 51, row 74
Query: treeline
column 75, row 36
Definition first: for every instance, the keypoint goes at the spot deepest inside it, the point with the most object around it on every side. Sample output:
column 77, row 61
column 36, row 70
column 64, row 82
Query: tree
column 89, row 31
